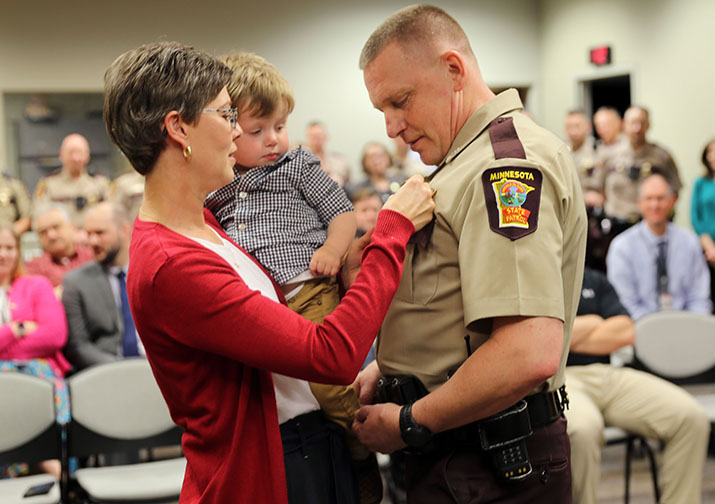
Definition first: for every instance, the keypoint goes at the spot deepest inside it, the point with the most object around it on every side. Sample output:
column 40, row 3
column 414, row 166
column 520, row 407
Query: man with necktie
column 101, row 328
column 656, row 265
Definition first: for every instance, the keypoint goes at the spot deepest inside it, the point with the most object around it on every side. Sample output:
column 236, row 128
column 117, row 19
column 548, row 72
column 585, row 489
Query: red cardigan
column 212, row 343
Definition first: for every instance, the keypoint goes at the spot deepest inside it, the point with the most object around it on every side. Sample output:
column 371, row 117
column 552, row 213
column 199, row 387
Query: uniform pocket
column 420, row 277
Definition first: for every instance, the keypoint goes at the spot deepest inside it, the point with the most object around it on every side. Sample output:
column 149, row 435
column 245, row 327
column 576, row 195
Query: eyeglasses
column 230, row 114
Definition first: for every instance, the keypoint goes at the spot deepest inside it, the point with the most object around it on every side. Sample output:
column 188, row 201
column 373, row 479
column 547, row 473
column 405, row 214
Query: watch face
column 417, row 436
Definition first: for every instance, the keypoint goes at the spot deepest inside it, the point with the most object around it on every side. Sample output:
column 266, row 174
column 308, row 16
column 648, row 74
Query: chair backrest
column 676, row 344
column 28, row 427
column 116, row 407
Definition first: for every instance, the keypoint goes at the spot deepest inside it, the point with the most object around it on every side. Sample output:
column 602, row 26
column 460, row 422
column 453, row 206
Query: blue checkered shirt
column 280, row 213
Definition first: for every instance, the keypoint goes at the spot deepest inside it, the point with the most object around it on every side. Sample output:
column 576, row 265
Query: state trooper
column 631, row 164
column 15, row 203
column 72, row 185
column 474, row 344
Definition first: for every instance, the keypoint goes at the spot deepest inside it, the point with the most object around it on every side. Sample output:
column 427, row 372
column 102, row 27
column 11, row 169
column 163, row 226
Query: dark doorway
column 611, row 91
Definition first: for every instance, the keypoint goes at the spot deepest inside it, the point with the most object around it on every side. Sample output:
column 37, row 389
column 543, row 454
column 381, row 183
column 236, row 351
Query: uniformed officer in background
column 14, row 203
column 630, row 165
column 583, row 150
column 128, row 191
column 590, row 172
column 73, row 185
column 474, row 345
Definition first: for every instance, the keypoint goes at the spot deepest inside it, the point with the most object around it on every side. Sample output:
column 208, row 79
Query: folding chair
column 676, row 345
column 117, row 407
column 616, row 435
column 30, row 433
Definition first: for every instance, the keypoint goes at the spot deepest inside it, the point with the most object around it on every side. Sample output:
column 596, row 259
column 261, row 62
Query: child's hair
column 257, row 87
column 363, row 194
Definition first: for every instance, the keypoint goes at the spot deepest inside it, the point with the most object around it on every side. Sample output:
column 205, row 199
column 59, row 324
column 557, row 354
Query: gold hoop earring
column 187, row 152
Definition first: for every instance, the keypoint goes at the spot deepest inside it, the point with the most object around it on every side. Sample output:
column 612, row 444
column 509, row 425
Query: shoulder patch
column 512, row 195
column 41, row 188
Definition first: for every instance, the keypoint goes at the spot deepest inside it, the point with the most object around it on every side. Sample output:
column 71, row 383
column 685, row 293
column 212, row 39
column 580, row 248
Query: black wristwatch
column 414, row 434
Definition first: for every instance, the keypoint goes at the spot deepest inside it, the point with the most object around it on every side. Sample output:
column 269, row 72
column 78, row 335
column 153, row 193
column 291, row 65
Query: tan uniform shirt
column 128, row 191
column 625, row 169
column 77, row 194
column 470, row 272
column 14, row 199
column 590, row 172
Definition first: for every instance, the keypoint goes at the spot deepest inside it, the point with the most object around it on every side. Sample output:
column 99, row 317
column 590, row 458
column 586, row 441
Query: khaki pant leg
column 644, row 404
column 585, row 429
column 315, row 301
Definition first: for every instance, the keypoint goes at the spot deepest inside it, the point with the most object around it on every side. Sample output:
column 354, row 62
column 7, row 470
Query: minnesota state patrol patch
column 512, row 195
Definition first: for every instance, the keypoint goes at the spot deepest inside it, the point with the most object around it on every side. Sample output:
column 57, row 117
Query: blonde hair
column 416, row 25
column 19, row 270
column 257, row 87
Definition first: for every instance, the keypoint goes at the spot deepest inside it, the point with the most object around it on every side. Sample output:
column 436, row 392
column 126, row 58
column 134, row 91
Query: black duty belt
column 546, row 407
column 517, row 421
column 543, row 408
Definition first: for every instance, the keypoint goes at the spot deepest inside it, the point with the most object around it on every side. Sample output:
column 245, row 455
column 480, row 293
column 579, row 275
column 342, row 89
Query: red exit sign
column 601, row 55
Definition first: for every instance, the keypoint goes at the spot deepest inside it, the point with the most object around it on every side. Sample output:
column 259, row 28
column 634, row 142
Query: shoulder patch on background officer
column 41, row 188
column 512, row 195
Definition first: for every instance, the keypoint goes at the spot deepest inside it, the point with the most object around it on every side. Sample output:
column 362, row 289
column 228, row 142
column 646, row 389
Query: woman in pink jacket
column 33, row 329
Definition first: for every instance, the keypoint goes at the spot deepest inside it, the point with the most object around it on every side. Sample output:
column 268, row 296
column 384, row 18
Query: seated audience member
column 376, row 164
column 703, row 211
column 367, row 205
column 100, row 324
column 33, row 329
column 60, row 251
column 601, row 394
column 334, row 163
column 656, row 265
column 73, row 185
column 14, row 203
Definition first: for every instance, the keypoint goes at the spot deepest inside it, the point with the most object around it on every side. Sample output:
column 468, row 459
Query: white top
column 293, row 396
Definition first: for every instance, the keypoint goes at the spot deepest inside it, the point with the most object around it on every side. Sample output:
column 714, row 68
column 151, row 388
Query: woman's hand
column 414, row 201
column 22, row 328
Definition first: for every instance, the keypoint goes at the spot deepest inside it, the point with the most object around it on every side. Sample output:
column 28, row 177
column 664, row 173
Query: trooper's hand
column 366, row 382
column 378, row 427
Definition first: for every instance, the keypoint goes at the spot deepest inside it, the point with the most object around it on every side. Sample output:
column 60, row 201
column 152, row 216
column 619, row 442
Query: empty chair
column 117, row 407
column 30, row 433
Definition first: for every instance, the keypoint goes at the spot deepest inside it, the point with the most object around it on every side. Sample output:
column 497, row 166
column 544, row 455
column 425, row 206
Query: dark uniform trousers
column 465, row 475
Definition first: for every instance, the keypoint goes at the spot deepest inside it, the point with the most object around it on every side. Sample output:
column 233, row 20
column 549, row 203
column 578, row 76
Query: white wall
column 64, row 46
column 667, row 45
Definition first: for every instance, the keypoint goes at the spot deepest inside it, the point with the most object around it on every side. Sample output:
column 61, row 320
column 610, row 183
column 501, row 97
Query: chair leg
column 629, row 455
column 653, row 468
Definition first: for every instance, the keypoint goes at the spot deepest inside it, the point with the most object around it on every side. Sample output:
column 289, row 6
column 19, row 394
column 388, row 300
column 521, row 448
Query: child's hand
column 325, row 261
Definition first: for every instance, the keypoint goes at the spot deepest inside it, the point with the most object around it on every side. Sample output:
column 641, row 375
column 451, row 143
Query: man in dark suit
column 94, row 295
